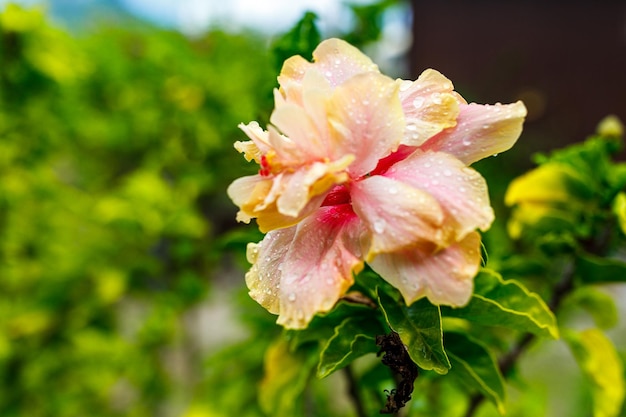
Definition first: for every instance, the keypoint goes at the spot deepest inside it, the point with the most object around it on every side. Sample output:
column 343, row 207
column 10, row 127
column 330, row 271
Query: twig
column 353, row 390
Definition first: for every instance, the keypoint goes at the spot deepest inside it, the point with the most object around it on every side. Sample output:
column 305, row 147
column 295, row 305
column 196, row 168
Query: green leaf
column 602, row 367
column 353, row 338
column 619, row 209
column 509, row 304
column 476, row 367
column 419, row 327
column 301, row 40
column 598, row 304
column 323, row 325
column 595, row 269
column 368, row 22
column 286, row 375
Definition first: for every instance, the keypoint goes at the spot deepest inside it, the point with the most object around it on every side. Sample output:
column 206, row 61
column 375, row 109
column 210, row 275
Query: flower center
column 338, row 195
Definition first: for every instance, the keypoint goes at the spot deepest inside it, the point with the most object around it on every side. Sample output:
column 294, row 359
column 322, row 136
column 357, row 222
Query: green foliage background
column 116, row 234
column 115, row 152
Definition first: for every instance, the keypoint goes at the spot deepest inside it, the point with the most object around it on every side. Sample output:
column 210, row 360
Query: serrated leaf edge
column 336, row 333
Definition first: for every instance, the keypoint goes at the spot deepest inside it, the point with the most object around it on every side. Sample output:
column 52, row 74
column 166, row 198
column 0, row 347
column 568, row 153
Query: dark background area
column 565, row 60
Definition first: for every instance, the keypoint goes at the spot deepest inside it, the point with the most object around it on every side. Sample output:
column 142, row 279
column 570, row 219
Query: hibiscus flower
column 357, row 167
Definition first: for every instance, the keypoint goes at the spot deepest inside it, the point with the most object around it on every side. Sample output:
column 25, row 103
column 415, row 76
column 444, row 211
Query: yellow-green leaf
column 602, row 367
column 286, row 375
column 549, row 184
column 619, row 208
column 598, row 304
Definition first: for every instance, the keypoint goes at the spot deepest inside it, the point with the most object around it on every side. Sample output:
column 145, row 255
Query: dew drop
column 329, row 74
column 447, row 172
column 379, row 225
column 393, row 190
column 411, row 127
column 291, row 297
column 437, row 98
column 466, row 142
column 418, row 102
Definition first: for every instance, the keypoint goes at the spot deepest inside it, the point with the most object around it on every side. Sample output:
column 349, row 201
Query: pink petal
column 243, row 190
column 366, row 120
column 397, row 214
column 301, row 271
column 430, row 106
column 266, row 257
column 444, row 276
column 481, row 131
column 305, row 143
column 460, row 190
column 257, row 196
column 308, row 182
column 336, row 59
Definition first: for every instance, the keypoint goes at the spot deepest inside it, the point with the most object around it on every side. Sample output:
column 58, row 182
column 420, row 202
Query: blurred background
column 121, row 266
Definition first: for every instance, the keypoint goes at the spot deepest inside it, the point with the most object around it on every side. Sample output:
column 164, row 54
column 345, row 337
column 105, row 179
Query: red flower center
column 338, row 195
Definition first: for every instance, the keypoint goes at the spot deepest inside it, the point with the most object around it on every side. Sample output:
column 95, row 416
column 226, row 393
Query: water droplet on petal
column 393, row 190
column 418, row 102
column 379, row 225
column 436, row 98
column 291, row 297
column 447, row 172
